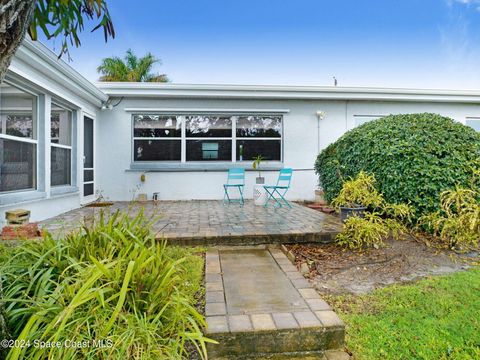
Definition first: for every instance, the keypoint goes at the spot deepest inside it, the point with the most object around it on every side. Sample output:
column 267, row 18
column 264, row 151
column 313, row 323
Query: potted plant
column 257, row 160
column 357, row 195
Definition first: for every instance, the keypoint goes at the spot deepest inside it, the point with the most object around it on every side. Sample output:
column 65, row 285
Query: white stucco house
column 64, row 140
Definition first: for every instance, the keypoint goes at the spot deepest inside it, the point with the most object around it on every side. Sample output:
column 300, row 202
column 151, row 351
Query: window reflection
column 156, row 126
column 18, row 145
column 208, row 126
column 259, row 126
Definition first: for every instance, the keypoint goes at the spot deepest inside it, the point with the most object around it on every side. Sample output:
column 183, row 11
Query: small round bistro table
column 259, row 195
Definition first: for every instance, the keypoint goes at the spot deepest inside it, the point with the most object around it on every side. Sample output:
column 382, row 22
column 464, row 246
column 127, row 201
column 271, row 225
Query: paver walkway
column 259, row 306
column 210, row 222
column 254, row 284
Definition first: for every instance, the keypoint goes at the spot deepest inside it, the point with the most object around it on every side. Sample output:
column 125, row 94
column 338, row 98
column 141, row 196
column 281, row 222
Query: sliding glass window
column 18, row 139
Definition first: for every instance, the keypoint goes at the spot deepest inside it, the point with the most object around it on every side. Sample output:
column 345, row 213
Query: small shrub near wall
column 458, row 224
column 414, row 158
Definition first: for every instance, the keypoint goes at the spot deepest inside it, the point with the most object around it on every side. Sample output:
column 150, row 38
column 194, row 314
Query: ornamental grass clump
column 112, row 290
column 379, row 221
column 359, row 191
column 457, row 224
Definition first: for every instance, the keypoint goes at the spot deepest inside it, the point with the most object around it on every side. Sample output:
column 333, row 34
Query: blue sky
column 392, row 43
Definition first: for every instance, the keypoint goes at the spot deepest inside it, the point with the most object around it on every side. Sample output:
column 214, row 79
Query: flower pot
column 346, row 212
column 260, row 180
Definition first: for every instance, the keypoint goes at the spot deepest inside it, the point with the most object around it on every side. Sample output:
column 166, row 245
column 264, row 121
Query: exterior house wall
column 313, row 117
column 303, row 137
column 38, row 71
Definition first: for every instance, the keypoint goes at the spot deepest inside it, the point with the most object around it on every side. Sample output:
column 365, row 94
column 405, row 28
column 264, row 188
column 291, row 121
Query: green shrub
column 359, row 191
column 457, row 225
column 413, row 157
column 380, row 220
column 364, row 232
column 113, row 282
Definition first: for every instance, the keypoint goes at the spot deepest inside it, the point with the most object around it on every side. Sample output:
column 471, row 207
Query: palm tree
column 131, row 68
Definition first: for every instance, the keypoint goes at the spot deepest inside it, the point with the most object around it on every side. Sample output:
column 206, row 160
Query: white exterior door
column 88, row 160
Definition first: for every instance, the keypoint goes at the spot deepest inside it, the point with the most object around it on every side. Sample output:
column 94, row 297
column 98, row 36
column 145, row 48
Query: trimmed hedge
column 414, row 157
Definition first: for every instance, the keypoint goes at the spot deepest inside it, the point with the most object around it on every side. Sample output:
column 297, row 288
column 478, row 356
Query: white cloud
column 475, row 3
column 459, row 44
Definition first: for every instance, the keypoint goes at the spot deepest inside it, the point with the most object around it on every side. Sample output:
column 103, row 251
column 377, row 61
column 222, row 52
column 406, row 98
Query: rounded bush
column 414, row 158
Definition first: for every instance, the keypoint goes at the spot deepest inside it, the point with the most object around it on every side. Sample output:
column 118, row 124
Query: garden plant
column 380, row 219
column 113, row 286
column 457, row 224
column 414, row 158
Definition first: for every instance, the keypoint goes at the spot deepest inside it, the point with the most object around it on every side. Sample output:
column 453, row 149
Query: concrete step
column 327, row 355
column 258, row 306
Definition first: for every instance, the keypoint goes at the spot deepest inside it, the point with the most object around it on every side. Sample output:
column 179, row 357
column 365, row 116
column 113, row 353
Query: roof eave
column 146, row 90
column 37, row 55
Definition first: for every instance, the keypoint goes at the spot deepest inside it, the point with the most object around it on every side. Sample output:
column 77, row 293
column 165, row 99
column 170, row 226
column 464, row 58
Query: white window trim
column 62, row 146
column 18, row 138
column 472, row 118
column 363, row 116
column 184, row 138
column 35, row 123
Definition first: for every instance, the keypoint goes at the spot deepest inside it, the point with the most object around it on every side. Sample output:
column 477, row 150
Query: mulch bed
column 335, row 270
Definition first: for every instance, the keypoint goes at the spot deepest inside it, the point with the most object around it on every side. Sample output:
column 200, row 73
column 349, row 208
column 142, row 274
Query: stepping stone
column 257, row 307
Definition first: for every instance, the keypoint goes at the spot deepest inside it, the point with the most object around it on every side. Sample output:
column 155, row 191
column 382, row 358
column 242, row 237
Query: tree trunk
column 15, row 18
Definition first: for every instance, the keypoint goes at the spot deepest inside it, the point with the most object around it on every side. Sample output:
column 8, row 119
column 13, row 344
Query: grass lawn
column 435, row 318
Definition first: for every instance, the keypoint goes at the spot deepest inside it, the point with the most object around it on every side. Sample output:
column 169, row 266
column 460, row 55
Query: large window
column 259, row 135
column 18, row 139
column 207, row 138
column 61, row 146
column 362, row 119
column 156, row 138
column 473, row 122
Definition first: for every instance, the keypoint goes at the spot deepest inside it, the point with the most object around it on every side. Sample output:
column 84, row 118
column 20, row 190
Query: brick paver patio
column 203, row 222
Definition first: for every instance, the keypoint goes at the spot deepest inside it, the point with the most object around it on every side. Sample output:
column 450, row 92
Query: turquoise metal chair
column 277, row 192
column 235, row 179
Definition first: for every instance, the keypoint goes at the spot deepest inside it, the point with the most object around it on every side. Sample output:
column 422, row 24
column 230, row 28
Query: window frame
column 473, row 119
column 252, row 138
column 183, row 138
column 62, row 146
column 175, row 138
column 34, row 140
column 364, row 116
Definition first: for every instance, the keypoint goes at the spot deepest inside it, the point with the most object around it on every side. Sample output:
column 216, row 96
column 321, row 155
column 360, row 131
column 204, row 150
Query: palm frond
column 131, row 68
